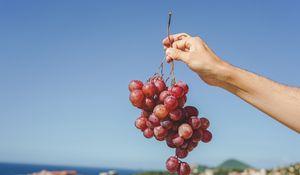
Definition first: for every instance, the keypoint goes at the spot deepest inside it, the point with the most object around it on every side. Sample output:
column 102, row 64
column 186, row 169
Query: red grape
column 160, row 132
column 135, row 84
column 167, row 123
column 163, row 95
column 176, row 114
column 140, row 123
column 154, row 120
column 194, row 122
column 197, row 135
column 137, row 98
column 172, row 164
column 207, row 136
column 145, row 113
column 160, row 111
column 181, row 153
column 149, row 89
column 181, row 101
column 171, row 102
column 177, row 91
column 165, row 117
column 149, row 104
column 185, row 131
column 183, row 85
column 160, row 85
column 184, row 169
column 204, row 123
column 148, row 133
column 191, row 110
column 178, row 141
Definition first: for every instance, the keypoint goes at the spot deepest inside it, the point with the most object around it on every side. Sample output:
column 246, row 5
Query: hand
column 198, row 56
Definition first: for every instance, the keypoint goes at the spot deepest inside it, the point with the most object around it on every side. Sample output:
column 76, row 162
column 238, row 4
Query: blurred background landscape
column 65, row 67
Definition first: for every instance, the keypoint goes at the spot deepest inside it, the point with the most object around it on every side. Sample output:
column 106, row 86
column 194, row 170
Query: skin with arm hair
column 279, row 101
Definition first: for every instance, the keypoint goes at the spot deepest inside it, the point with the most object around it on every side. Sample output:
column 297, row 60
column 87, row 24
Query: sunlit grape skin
column 154, row 120
column 204, row 123
column 167, row 123
column 171, row 103
column 149, row 89
column 160, row 85
column 160, row 132
column 163, row 95
column 137, row 98
column 140, row 123
column 176, row 114
column 135, row 84
column 183, row 85
column 184, row 169
column 148, row 133
column 185, row 131
column 177, row 91
column 172, row 164
column 178, row 141
column 195, row 122
column 160, row 111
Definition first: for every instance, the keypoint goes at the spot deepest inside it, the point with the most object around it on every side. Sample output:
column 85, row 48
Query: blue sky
column 65, row 66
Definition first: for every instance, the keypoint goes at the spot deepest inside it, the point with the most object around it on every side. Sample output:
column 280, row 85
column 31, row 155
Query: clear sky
column 65, row 67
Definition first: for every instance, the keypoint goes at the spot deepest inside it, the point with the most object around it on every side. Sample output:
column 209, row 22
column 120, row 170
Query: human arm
column 279, row 101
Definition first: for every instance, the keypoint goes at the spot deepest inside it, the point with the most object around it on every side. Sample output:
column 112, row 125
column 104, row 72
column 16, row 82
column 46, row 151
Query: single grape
column 137, row 98
column 181, row 101
column 145, row 113
column 148, row 133
column 163, row 95
column 204, row 123
column 149, row 89
column 183, row 85
column 176, row 114
column 177, row 91
column 169, row 139
column 171, row 102
column 160, row 132
column 197, row 135
column 178, row 141
column 184, row 169
column 207, row 136
column 167, row 123
column 140, row 123
column 191, row 146
column 149, row 104
column 135, row 85
column 160, row 85
column 185, row 144
column 185, row 131
column 181, row 153
column 191, row 111
column 160, row 111
column 154, row 120
column 194, row 122
column 172, row 164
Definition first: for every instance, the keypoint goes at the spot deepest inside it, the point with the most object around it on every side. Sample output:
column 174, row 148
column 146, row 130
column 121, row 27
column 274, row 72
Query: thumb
column 177, row 54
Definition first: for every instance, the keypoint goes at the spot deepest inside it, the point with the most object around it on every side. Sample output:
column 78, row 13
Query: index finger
column 175, row 37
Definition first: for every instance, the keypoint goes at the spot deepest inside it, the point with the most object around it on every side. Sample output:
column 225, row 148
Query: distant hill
column 233, row 164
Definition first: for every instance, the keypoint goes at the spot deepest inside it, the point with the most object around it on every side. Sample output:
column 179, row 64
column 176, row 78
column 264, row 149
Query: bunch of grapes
column 165, row 117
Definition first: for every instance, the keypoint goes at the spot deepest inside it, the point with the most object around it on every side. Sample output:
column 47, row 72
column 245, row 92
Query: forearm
column 278, row 101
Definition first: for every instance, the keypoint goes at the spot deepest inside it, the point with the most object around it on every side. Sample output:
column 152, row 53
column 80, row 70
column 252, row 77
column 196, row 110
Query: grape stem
column 168, row 33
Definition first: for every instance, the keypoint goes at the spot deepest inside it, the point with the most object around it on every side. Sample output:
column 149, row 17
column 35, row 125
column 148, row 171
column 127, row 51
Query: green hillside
column 233, row 164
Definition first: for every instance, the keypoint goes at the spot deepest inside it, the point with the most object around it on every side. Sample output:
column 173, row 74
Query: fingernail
column 169, row 51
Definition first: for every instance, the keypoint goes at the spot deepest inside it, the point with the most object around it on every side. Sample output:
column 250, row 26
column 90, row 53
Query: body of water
column 24, row 169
